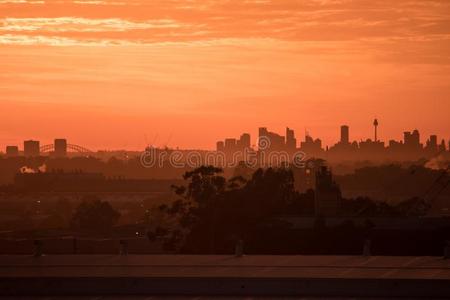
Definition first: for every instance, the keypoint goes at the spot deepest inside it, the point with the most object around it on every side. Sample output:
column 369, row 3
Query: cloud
column 28, row 40
column 98, row 2
column 65, row 24
column 21, row 2
column 379, row 29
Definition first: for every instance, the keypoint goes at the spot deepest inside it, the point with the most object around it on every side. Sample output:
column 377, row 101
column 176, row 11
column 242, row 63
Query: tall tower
column 60, row 147
column 345, row 139
column 245, row 140
column 375, row 125
column 31, row 148
column 291, row 142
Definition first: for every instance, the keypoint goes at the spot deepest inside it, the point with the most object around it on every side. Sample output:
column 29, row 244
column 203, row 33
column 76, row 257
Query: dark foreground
column 153, row 276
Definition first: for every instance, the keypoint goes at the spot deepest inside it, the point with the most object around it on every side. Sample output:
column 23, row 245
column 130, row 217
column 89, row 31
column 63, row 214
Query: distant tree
column 95, row 215
column 367, row 207
column 196, row 210
column 413, row 207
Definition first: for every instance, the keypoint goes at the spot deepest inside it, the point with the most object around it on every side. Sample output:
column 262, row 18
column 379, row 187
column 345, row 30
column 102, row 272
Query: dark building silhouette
column 412, row 139
column 328, row 199
column 12, row 151
column 433, row 140
column 31, row 148
column 291, row 141
column 235, row 150
column 244, row 141
column 311, row 147
column 345, row 136
column 230, row 145
column 431, row 145
column 344, row 150
column 371, row 149
column 220, row 146
column 375, row 150
column 305, row 177
column 442, row 146
column 270, row 141
column 60, row 148
column 375, row 125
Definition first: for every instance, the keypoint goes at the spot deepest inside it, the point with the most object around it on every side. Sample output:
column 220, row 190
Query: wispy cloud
column 22, row 2
column 17, row 39
column 98, row 2
column 374, row 25
column 65, row 24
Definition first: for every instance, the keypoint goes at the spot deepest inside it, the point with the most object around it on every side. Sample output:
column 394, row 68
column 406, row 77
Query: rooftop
column 259, row 266
column 216, row 275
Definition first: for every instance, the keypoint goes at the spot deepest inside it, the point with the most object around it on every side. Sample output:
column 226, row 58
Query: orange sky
column 119, row 74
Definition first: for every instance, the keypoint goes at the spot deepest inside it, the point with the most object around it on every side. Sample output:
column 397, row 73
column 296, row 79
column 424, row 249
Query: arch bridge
column 70, row 147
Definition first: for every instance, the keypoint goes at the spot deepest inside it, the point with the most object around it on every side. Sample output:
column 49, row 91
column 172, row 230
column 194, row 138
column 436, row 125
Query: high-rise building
column 311, row 147
column 230, row 145
column 345, row 137
column 442, row 147
column 235, row 149
column 263, row 135
column 12, row 151
column 244, row 141
column 291, row 141
column 31, row 148
column 270, row 141
column 220, row 146
column 60, row 147
column 412, row 139
column 432, row 144
column 433, row 140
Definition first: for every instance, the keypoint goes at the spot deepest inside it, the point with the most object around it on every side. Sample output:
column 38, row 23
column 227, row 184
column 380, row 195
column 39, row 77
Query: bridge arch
column 74, row 148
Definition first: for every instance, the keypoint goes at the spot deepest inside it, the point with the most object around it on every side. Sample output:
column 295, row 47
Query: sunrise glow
column 114, row 74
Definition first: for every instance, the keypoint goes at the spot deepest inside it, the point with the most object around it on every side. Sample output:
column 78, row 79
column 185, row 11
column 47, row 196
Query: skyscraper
column 244, row 140
column 412, row 140
column 291, row 141
column 230, row 145
column 220, row 146
column 31, row 148
column 12, row 151
column 432, row 144
column 345, row 134
column 60, row 147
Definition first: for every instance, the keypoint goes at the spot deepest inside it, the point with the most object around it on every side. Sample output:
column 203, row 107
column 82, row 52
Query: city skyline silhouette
column 292, row 140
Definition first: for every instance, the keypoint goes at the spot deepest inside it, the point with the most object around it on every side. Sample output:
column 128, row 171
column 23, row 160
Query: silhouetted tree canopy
column 211, row 206
column 95, row 215
column 213, row 212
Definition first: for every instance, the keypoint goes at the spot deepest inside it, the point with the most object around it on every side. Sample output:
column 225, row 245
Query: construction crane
column 436, row 189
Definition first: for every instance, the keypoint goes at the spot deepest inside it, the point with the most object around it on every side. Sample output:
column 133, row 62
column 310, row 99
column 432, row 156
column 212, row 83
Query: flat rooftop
column 226, row 266
column 225, row 275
